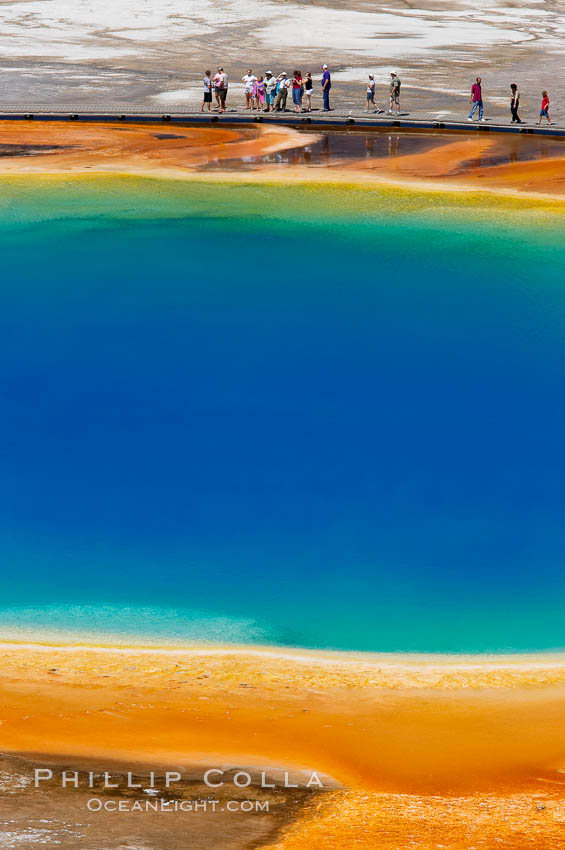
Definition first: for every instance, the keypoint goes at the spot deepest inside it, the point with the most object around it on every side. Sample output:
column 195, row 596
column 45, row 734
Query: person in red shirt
column 544, row 107
column 476, row 100
column 297, row 90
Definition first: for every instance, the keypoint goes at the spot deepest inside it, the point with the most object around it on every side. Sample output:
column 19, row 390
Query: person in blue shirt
column 326, row 86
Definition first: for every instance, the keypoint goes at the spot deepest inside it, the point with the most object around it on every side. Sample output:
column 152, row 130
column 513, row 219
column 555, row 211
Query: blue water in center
column 340, row 433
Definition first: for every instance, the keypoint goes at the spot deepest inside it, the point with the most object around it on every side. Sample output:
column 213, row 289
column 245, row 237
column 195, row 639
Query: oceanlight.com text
column 95, row 804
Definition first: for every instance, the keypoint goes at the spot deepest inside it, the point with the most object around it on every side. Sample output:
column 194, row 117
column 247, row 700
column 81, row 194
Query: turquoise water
column 309, row 417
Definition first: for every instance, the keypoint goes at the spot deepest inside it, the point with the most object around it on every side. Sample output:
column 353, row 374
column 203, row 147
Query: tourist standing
column 394, row 93
column 297, row 90
column 515, row 103
column 308, row 89
column 216, row 82
column 260, row 93
column 282, row 92
column 326, row 86
column 371, row 94
column 207, row 91
column 544, row 111
column 223, row 89
column 476, row 100
column 270, row 91
column 249, row 81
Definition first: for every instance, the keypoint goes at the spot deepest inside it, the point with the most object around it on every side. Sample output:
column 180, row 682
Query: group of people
column 393, row 91
column 477, row 103
column 269, row 93
column 219, row 86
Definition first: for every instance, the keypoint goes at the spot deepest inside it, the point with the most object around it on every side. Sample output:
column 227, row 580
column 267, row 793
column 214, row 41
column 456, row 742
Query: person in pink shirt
column 476, row 100
column 216, row 85
column 260, row 93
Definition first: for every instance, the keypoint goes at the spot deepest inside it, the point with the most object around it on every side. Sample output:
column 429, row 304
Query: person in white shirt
column 371, row 94
column 222, row 89
column 282, row 93
column 270, row 91
column 249, row 81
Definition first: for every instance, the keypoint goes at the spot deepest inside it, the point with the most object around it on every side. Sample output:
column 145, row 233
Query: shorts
column 216, row 89
column 544, row 113
column 223, row 93
column 207, row 97
column 395, row 96
column 370, row 96
column 308, row 92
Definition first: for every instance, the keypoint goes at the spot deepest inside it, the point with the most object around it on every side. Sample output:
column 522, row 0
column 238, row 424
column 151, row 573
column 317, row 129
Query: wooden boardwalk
column 337, row 119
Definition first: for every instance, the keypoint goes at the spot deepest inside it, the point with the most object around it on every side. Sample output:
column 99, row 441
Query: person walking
column 308, row 90
column 282, row 92
column 544, row 111
column 326, row 86
column 297, row 90
column 394, row 93
column 476, row 100
column 515, row 103
column 249, row 81
column 370, row 94
column 207, row 91
column 270, row 91
column 222, row 89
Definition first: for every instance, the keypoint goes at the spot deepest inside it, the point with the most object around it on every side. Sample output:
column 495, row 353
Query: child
column 260, row 93
column 544, row 107
column 207, row 95
column 371, row 94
